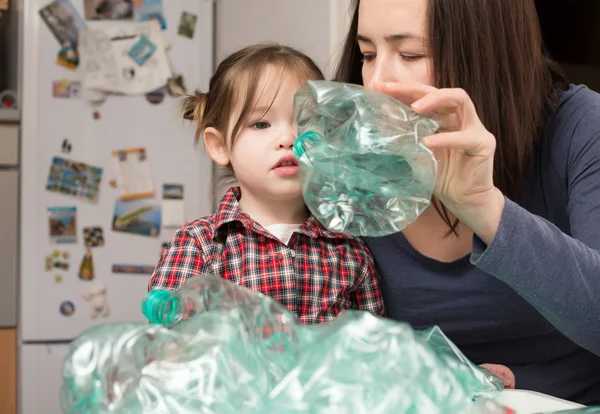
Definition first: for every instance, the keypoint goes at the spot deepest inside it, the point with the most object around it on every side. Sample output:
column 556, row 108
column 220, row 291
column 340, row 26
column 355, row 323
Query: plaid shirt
column 317, row 275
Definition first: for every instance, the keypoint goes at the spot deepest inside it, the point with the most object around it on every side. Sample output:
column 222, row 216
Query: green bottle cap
column 161, row 307
column 303, row 142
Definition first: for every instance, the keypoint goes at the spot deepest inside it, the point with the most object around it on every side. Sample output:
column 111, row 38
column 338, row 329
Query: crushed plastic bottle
column 362, row 163
column 228, row 349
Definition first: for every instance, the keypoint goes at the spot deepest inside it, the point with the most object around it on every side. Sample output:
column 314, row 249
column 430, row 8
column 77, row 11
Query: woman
column 507, row 259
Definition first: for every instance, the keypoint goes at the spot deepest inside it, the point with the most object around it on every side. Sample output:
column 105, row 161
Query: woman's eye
column 366, row 57
column 261, row 125
column 410, row 58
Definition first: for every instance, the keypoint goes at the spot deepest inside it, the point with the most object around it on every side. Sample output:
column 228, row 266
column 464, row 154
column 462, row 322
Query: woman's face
column 391, row 37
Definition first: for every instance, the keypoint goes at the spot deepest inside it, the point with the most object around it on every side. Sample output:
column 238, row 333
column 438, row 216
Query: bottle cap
column 161, row 307
column 303, row 142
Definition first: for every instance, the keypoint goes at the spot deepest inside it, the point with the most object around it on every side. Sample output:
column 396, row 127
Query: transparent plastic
column 363, row 166
column 232, row 350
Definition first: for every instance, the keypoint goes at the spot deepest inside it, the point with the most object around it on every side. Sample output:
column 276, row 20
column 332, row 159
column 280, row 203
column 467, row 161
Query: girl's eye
column 261, row 125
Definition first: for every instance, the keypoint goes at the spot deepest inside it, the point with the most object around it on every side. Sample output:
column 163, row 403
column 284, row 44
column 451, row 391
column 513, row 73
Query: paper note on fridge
column 107, row 64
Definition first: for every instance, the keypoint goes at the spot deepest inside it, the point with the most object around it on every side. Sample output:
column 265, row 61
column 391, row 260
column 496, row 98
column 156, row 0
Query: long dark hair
column 493, row 50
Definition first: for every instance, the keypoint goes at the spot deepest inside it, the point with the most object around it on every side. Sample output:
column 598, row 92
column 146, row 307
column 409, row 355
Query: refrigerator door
column 56, row 303
column 41, row 371
column 9, row 236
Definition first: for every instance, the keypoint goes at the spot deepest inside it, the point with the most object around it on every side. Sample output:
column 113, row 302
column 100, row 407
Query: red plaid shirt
column 317, row 275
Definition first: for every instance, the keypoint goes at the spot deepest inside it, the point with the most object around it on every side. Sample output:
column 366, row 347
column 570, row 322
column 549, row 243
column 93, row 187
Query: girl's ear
column 215, row 144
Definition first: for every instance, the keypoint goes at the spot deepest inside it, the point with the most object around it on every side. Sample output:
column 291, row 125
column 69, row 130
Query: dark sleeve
column 179, row 261
column 557, row 273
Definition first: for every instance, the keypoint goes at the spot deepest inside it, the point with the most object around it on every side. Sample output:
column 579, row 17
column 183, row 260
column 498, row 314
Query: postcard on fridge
column 64, row 22
column 108, row 9
column 74, row 178
column 132, row 168
column 137, row 217
column 173, row 206
column 62, row 223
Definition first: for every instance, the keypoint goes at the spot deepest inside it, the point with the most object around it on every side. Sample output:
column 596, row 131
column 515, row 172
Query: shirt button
column 280, row 257
column 292, row 253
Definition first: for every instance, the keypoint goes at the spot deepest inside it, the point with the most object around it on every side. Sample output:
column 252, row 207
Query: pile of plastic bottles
column 228, row 349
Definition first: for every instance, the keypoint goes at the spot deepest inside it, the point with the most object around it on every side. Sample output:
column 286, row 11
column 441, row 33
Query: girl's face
column 261, row 155
column 391, row 38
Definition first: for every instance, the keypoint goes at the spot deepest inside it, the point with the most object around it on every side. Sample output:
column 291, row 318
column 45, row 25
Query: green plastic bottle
column 363, row 166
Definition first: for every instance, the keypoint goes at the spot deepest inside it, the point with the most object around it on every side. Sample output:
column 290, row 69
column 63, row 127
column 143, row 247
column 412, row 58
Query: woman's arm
column 557, row 273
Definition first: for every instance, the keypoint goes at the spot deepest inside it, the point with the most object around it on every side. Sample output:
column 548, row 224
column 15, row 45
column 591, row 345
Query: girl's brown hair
column 493, row 50
column 243, row 68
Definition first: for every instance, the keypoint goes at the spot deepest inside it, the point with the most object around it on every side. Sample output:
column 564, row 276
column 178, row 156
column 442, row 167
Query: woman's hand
column 465, row 151
column 502, row 372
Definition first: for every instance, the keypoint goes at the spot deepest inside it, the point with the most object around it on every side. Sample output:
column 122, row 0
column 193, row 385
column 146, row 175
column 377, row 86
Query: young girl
column 262, row 236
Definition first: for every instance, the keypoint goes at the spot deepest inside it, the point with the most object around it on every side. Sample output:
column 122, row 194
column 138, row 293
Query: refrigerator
column 106, row 178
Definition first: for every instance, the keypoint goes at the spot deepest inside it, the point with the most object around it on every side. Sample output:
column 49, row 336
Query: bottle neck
column 161, row 307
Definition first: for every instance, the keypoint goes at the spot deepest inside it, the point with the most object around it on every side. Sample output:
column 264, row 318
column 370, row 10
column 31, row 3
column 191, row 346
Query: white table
column 530, row 402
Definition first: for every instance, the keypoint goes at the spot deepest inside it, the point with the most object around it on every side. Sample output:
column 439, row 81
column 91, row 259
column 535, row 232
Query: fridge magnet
column 187, row 25
column 108, row 9
column 67, row 308
column 132, row 168
column 156, row 97
column 137, row 217
column 86, row 269
column 57, row 261
column 68, row 57
column 66, row 146
column 93, row 236
column 133, row 269
column 60, row 89
column 96, row 115
column 146, row 10
column 75, row 89
column 173, row 205
column 62, row 224
column 113, row 183
column 95, row 294
column 58, row 279
column 64, row 22
column 49, row 263
column 176, row 86
column 141, row 50
column 74, row 178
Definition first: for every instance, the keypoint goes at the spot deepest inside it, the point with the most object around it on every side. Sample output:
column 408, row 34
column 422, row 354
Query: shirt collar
column 229, row 211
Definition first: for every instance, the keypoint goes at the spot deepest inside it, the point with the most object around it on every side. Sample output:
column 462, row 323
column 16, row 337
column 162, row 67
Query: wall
column 316, row 27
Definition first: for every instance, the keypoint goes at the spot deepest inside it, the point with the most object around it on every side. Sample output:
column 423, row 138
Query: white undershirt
column 283, row 231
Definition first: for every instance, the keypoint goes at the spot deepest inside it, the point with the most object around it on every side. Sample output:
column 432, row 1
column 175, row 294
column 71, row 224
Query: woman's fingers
column 502, row 372
column 448, row 101
column 472, row 144
column 405, row 92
